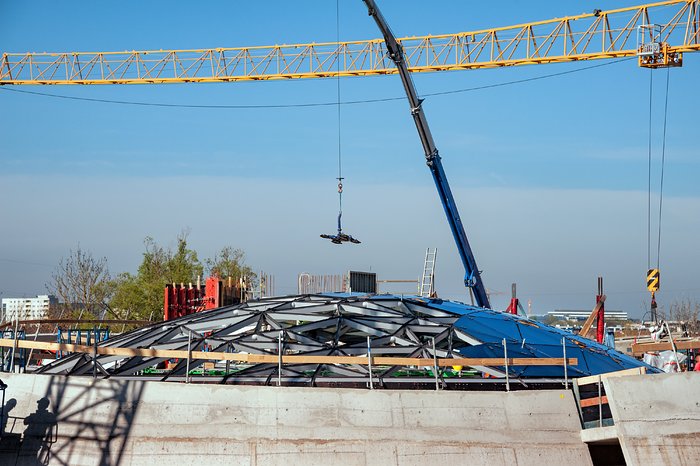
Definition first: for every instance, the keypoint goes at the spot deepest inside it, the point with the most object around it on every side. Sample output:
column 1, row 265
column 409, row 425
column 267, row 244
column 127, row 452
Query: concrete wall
column 111, row 422
column 657, row 417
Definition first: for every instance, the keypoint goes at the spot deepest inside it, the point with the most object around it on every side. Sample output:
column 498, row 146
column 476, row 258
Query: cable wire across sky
column 315, row 104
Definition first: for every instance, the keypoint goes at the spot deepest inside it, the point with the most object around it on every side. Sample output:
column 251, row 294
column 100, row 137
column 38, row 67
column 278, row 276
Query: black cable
column 313, row 104
column 663, row 159
column 525, row 80
column 13, row 261
column 340, row 160
column 651, row 80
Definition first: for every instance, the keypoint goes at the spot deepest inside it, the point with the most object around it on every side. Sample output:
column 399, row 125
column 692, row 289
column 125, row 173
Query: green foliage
column 140, row 296
column 129, row 297
column 549, row 319
column 229, row 262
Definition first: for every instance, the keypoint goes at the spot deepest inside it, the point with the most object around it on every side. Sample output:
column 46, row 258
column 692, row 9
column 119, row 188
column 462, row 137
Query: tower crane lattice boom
column 602, row 34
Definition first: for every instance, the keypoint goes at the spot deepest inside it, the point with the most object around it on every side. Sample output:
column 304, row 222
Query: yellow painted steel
column 603, row 34
column 653, row 280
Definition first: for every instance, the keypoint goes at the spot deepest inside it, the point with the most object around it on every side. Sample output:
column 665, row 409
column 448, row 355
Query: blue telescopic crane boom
column 472, row 277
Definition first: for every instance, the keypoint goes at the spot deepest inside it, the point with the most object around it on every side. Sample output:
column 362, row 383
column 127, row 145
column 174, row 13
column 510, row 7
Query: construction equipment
column 340, row 237
column 472, row 276
column 668, row 29
column 653, row 285
column 661, row 41
column 652, row 51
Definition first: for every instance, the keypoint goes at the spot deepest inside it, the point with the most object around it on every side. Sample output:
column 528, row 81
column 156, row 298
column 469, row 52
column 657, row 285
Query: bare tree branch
column 82, row 284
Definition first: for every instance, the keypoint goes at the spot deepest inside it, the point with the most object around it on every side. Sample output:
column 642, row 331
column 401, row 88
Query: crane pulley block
column 652, row 52
column 653, row 282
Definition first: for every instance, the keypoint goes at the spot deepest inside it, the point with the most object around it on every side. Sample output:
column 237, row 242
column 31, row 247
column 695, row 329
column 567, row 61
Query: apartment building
column 27, row 308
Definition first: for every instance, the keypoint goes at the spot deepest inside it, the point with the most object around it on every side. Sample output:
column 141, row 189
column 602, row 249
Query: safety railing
column 281, row 359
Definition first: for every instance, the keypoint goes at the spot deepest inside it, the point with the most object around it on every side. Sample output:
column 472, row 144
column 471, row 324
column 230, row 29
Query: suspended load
column 340, row 237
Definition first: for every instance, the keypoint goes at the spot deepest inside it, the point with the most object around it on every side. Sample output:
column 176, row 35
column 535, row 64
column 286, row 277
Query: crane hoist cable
column 653, row 274
column 663, row 164
column 339, row 237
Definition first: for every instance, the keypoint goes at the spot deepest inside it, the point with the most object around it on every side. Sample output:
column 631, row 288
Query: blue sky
column 550, row 175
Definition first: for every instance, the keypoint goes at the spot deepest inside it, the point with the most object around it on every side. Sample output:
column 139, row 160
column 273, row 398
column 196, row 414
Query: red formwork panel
column 181, row 300
column 213, row 293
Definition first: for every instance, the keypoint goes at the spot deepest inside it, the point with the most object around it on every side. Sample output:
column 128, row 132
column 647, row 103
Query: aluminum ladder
column 427, row 283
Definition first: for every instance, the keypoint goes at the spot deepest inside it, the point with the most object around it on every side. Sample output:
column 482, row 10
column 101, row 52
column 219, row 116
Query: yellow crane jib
column 664, row 31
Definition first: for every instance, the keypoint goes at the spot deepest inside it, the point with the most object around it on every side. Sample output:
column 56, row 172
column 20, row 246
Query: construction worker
column 697, row 363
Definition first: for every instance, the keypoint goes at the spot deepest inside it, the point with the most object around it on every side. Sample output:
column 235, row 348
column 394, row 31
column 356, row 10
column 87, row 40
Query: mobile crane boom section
column 472, row 277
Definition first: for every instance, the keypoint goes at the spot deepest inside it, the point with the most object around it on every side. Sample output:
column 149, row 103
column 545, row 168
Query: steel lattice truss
column 310, row 325
column 339, row 325
column 603, row 34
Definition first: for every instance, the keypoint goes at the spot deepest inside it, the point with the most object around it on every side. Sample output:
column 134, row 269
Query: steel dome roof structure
column 339, row 325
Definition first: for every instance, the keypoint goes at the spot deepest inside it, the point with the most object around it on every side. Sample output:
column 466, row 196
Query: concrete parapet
column 86, row 422
column 657, row 417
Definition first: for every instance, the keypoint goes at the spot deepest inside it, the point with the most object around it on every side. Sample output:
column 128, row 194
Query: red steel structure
column 600, row 321
column 514, row 302
column 180, row 300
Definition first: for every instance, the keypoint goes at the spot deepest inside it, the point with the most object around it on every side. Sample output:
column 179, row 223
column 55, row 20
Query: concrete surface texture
column 657, row 417
column 78, row 421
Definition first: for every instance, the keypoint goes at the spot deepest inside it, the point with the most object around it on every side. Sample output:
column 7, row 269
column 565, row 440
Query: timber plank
column 286, row 359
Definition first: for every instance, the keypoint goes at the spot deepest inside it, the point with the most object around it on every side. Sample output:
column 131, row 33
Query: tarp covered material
column 527, row 338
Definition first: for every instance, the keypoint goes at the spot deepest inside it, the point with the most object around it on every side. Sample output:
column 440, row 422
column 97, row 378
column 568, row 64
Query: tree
column 686, row 313
column 229, row 262
column 82, row 285
column 140, row 296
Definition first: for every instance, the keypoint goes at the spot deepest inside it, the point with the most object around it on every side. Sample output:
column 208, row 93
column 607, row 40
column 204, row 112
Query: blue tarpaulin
column 487, row 329
column 527, row 338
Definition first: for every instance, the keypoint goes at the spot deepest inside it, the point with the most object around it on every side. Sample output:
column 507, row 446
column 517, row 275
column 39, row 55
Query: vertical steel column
column 31, row 351
column 189, row 356
column 505, row 360
column 566, row 375
column 513, row 307
column 94, row 354
column 435, row 366
column 600, row 403
column 600, row 321
column 369, row 363
column 14, row 346
column 279, row 359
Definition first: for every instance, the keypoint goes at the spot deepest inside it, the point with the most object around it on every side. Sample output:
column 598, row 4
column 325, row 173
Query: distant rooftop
column 583, row 314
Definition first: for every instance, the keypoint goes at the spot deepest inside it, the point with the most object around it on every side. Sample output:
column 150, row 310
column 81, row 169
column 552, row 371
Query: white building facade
column 583, row 315
column 27, row 308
